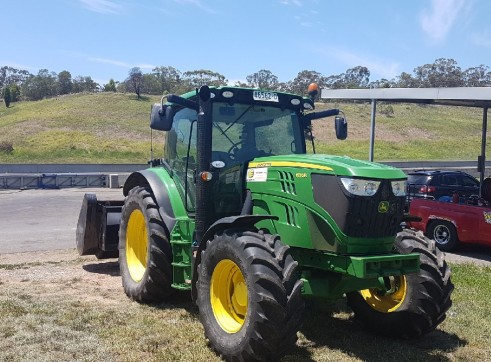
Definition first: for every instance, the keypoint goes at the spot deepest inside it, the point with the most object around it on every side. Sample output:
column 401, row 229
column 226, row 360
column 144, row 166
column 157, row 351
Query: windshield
column 247, row 131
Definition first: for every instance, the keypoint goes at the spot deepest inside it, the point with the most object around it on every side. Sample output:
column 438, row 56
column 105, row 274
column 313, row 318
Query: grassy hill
column 114, row 128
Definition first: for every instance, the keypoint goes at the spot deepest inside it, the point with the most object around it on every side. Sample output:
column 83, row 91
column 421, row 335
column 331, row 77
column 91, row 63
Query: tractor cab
column 244, row 125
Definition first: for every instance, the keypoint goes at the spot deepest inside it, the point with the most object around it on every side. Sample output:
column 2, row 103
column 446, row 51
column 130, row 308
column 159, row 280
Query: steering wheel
column 234, row 146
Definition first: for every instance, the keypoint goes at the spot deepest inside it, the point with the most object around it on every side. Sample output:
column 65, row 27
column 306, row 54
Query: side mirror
column 161, row 117
column 341, row 127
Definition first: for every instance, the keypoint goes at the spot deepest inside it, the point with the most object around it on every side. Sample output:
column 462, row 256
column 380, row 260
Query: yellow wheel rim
column 228, row 295
column 388, row 302
column 136, row 245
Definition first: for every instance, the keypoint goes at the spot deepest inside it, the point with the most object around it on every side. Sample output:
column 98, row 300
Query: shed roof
column 457, row 96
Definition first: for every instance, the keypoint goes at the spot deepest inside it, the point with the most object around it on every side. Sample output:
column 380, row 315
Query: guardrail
column 32, row 176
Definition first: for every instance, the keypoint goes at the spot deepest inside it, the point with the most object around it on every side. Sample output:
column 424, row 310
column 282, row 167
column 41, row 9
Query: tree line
column 19, row 84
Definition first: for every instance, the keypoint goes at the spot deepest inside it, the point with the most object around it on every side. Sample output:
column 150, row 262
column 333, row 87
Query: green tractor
column 239, row 214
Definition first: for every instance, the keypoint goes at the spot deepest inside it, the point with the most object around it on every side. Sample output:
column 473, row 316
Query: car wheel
column 444, row 234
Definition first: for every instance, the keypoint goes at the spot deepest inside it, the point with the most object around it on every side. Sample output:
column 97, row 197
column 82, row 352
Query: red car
column 452, row 223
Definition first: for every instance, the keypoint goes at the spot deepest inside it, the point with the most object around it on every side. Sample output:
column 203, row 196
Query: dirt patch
column 65, row 273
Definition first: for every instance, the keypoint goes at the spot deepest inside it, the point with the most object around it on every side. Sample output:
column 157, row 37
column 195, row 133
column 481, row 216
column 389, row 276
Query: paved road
column 40, row 220
column 35, row 220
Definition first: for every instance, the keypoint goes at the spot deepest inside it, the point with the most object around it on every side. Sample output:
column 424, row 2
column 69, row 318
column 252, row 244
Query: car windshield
column 418, row 179
column 270, row 130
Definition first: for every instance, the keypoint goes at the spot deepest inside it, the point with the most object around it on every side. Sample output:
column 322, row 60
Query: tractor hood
column 337, row 165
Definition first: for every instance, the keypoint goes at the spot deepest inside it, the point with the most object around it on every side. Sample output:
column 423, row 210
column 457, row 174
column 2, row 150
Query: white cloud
column 120, row 63
column 291, row 2
column 378, row 69
column 197, row 3
column 439, row 20
column 306, row 24
column 110, row 61
column 146, row 66
column 102, row 6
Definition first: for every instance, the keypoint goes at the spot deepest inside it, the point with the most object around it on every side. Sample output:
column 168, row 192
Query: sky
column 105, row 38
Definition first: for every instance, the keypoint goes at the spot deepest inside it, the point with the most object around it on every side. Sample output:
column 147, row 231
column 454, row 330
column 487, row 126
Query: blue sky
column 105, row 38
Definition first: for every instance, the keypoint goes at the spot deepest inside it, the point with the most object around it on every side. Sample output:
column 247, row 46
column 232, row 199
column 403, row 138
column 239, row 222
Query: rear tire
column 249, row 296
column 420, row 300
column 144, row 249
column 444, row 233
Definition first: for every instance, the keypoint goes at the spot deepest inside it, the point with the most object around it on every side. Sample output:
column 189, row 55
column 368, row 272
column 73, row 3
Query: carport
column 457, row 96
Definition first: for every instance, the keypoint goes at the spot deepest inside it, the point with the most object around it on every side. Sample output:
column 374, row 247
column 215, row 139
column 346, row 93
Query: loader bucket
column 98, row 226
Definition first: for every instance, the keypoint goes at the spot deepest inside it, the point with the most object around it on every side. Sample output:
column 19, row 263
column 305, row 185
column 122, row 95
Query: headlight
column 360, row 187
column 398, row 188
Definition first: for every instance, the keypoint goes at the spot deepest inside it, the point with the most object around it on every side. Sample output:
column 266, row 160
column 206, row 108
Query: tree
column 110, row 86
column 135, row 79
column 151, row 84
column 442, row 73
column 357, row 77
column 65, row 84
column 381, row 83
column 197, row 78
column 39, row 86
column 14, row 92
column 406, row 80
column 301, row 82
column 263, row 79
column 84, row 84
column 170, row 79
column 477, row 76
column 6, row 97
column 9, row 75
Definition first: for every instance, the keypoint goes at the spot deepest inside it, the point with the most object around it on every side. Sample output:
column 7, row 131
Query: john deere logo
column 383, row 207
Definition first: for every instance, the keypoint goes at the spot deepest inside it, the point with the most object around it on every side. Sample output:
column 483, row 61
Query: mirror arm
column 172, row 98
column 322, row 114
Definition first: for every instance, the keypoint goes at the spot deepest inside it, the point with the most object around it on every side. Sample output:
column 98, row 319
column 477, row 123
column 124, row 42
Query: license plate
column 265, row 96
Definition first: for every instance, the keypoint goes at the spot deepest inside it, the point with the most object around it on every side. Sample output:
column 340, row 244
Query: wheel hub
column 136, row 245
column 390, row 300
column 228, row 295
column 441, row 234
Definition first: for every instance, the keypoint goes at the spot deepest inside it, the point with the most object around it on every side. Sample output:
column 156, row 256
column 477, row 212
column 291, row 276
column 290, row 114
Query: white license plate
column 265, row 96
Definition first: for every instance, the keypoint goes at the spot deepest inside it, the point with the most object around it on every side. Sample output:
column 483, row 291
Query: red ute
column 452, row 223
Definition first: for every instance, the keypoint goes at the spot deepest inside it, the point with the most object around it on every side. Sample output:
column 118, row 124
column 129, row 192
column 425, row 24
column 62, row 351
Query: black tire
column 144, row 249
column 421, row 300
column 100, row 254
column 251, row 282
column 444, row 233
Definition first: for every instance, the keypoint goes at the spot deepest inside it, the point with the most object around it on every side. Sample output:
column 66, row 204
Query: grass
column 81, row 128
column 114, row 128
column 81, row 314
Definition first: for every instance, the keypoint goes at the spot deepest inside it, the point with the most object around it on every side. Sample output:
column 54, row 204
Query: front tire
column 249, row 296
column 444, row 233
column 144, row 249
column 417, row 303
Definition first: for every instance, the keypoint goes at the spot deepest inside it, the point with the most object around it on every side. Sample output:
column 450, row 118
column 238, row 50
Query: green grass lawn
column 114, row 128
column 75, row 309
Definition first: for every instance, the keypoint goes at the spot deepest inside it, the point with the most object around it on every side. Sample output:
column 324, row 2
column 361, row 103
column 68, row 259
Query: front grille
column 359, row 216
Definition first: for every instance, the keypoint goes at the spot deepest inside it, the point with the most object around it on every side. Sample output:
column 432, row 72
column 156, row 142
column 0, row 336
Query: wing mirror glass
column 341, row 126
column 161, row 117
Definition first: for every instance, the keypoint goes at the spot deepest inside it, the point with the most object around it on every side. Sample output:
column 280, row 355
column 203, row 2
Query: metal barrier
column 53, row 181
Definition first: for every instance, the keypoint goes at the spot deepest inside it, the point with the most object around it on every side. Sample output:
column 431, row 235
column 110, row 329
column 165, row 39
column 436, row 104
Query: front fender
column 164, row 190
column 229, row 222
